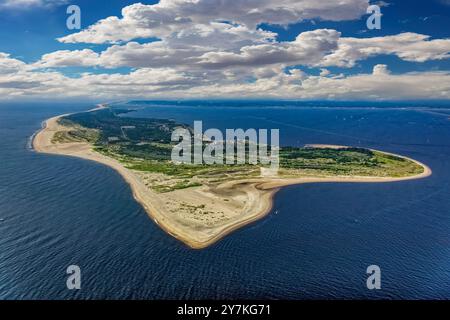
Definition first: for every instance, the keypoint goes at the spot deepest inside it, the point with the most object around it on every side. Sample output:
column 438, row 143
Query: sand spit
column 231, row 205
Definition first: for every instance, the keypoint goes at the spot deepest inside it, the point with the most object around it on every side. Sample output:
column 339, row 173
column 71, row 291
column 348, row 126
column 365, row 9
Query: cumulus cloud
column 214, row 48
column 139, row 83
column 10, row 65
column 147, row 83
column 221, row 45
column 380, row 70
column 407, row 46
column 67, row 58
column 186, row 47
column 223, row 34
column 307, row 49
column 173, row 16
column 409, row 86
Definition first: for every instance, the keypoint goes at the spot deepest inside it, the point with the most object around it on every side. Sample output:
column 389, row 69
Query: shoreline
column 259, row 191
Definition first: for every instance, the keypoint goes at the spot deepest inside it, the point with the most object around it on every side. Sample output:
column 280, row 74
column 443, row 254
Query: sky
column 184, row 49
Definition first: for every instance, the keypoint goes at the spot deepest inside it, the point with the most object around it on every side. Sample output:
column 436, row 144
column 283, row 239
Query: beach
column 247, row 200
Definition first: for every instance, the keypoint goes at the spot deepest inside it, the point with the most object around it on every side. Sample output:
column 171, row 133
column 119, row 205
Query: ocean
column 317, row 242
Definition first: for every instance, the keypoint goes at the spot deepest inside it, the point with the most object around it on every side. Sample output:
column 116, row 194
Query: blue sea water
column 317, row 242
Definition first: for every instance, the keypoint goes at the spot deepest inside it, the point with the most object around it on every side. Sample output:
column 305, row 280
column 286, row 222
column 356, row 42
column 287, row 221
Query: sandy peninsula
column 232, row 204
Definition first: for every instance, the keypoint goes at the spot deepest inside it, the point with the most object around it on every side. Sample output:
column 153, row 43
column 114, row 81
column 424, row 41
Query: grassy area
column 346, row 161
column 177, row 186
column 78, row 134
column 144, row 145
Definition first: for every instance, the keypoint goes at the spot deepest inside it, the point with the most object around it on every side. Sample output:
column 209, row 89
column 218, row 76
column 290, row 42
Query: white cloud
column 409, row 86
column 407, row 46
column 173, row 16
column 308, row 48
column 147, row 83
column 10, row 65
column 186, row 47
column 221, row 46
column 45, row 84
column 67, row 58
column 213, row 48
column 380, row 86
column 380, row 70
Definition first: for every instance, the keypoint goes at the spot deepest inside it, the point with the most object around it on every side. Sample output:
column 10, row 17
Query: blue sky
column 430, row 17
column 283, row 53
column 31, row 32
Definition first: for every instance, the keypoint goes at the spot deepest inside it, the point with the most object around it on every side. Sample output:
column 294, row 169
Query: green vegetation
column 78, row 134
column 347, row 161
column 144, row 145
column 148, row 139
column 177, row 186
